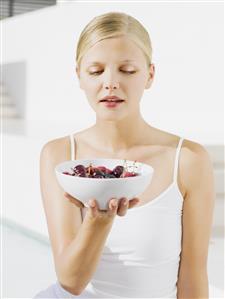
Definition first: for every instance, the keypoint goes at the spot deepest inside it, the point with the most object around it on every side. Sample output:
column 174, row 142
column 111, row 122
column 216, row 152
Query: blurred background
column 41, row 100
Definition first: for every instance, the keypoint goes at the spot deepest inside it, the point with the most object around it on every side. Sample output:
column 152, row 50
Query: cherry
column 104, row 169
column 118, row 170
column 129, row 174
column 80, row 170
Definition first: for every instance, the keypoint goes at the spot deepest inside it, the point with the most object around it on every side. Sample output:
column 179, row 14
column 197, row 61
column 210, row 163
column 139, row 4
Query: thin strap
column 177, row 159
column 72, row 147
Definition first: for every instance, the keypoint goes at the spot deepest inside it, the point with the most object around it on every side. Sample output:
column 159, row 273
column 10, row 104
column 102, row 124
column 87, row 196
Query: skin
column 109, row 136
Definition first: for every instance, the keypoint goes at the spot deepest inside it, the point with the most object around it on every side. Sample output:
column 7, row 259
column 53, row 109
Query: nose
column 111, row 86
column 110, row 83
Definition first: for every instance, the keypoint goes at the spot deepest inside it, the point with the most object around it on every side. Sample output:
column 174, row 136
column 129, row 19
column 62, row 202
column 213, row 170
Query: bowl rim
column 105, row 179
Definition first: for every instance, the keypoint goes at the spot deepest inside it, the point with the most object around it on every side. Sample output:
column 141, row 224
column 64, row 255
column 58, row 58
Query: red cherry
column 104, row 169
column 128, row 174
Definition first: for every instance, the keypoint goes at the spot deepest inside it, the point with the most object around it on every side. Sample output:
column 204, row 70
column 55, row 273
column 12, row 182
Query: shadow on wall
column 13, row 90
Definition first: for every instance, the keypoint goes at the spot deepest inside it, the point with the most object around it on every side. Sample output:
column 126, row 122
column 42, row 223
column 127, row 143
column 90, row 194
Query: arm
column 197, row 222
column 79, row 260
column 76, row 245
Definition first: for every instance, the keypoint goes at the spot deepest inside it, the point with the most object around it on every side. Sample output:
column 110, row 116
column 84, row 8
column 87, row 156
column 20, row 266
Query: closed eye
column 129, row 72
column 100, row 72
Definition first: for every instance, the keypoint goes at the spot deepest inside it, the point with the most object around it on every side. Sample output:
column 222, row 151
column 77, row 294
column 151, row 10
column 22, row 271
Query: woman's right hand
column 115, row 207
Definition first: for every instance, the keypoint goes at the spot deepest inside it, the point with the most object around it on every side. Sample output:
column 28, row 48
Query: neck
column 116, row 136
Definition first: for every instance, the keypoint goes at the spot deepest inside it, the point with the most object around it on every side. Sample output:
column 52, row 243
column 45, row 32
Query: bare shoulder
column 195, row 162
column 57, row 148
column 194, row 152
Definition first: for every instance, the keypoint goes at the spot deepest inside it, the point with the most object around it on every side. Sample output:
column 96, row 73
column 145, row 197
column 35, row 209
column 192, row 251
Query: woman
column 152, row 246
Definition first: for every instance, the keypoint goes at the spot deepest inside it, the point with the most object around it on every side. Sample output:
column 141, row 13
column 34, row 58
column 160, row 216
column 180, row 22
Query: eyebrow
column 97, row 62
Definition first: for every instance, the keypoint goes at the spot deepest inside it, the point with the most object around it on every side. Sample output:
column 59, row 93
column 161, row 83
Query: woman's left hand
column 123, row 204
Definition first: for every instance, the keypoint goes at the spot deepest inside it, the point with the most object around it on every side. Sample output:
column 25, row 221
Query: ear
column 78, row 72
column 78, row 75
column 151, row 76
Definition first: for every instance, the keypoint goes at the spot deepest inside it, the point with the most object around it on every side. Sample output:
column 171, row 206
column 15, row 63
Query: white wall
column 187, row 95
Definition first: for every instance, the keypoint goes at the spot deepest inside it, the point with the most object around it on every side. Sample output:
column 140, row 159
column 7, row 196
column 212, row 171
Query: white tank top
column 142, row 252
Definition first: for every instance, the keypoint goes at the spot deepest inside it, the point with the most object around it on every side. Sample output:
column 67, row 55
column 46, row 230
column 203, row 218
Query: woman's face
column 115, row 67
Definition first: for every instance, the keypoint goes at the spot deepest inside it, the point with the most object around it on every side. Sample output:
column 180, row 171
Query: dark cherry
column 118, row 170
column 80, row 170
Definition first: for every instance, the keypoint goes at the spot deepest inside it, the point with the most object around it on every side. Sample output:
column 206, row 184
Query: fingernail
column 125, row 202
column 91, row 204
column 114, row 203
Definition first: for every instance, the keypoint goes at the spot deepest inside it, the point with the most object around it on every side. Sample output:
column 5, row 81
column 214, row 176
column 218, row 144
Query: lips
column 112, row 99
column 115, row 101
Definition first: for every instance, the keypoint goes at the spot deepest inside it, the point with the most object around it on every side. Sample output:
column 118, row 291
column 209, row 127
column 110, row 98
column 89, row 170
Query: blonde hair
column 111, row 25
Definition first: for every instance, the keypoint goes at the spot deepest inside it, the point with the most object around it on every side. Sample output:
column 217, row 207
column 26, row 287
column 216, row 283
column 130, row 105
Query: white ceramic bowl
column 104, row 189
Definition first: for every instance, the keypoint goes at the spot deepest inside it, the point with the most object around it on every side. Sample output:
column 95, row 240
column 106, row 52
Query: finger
column 123, row 206
column 113, row 205
column 73, row 200
column 133, row 202
column 67, row 195
column 93, row 207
